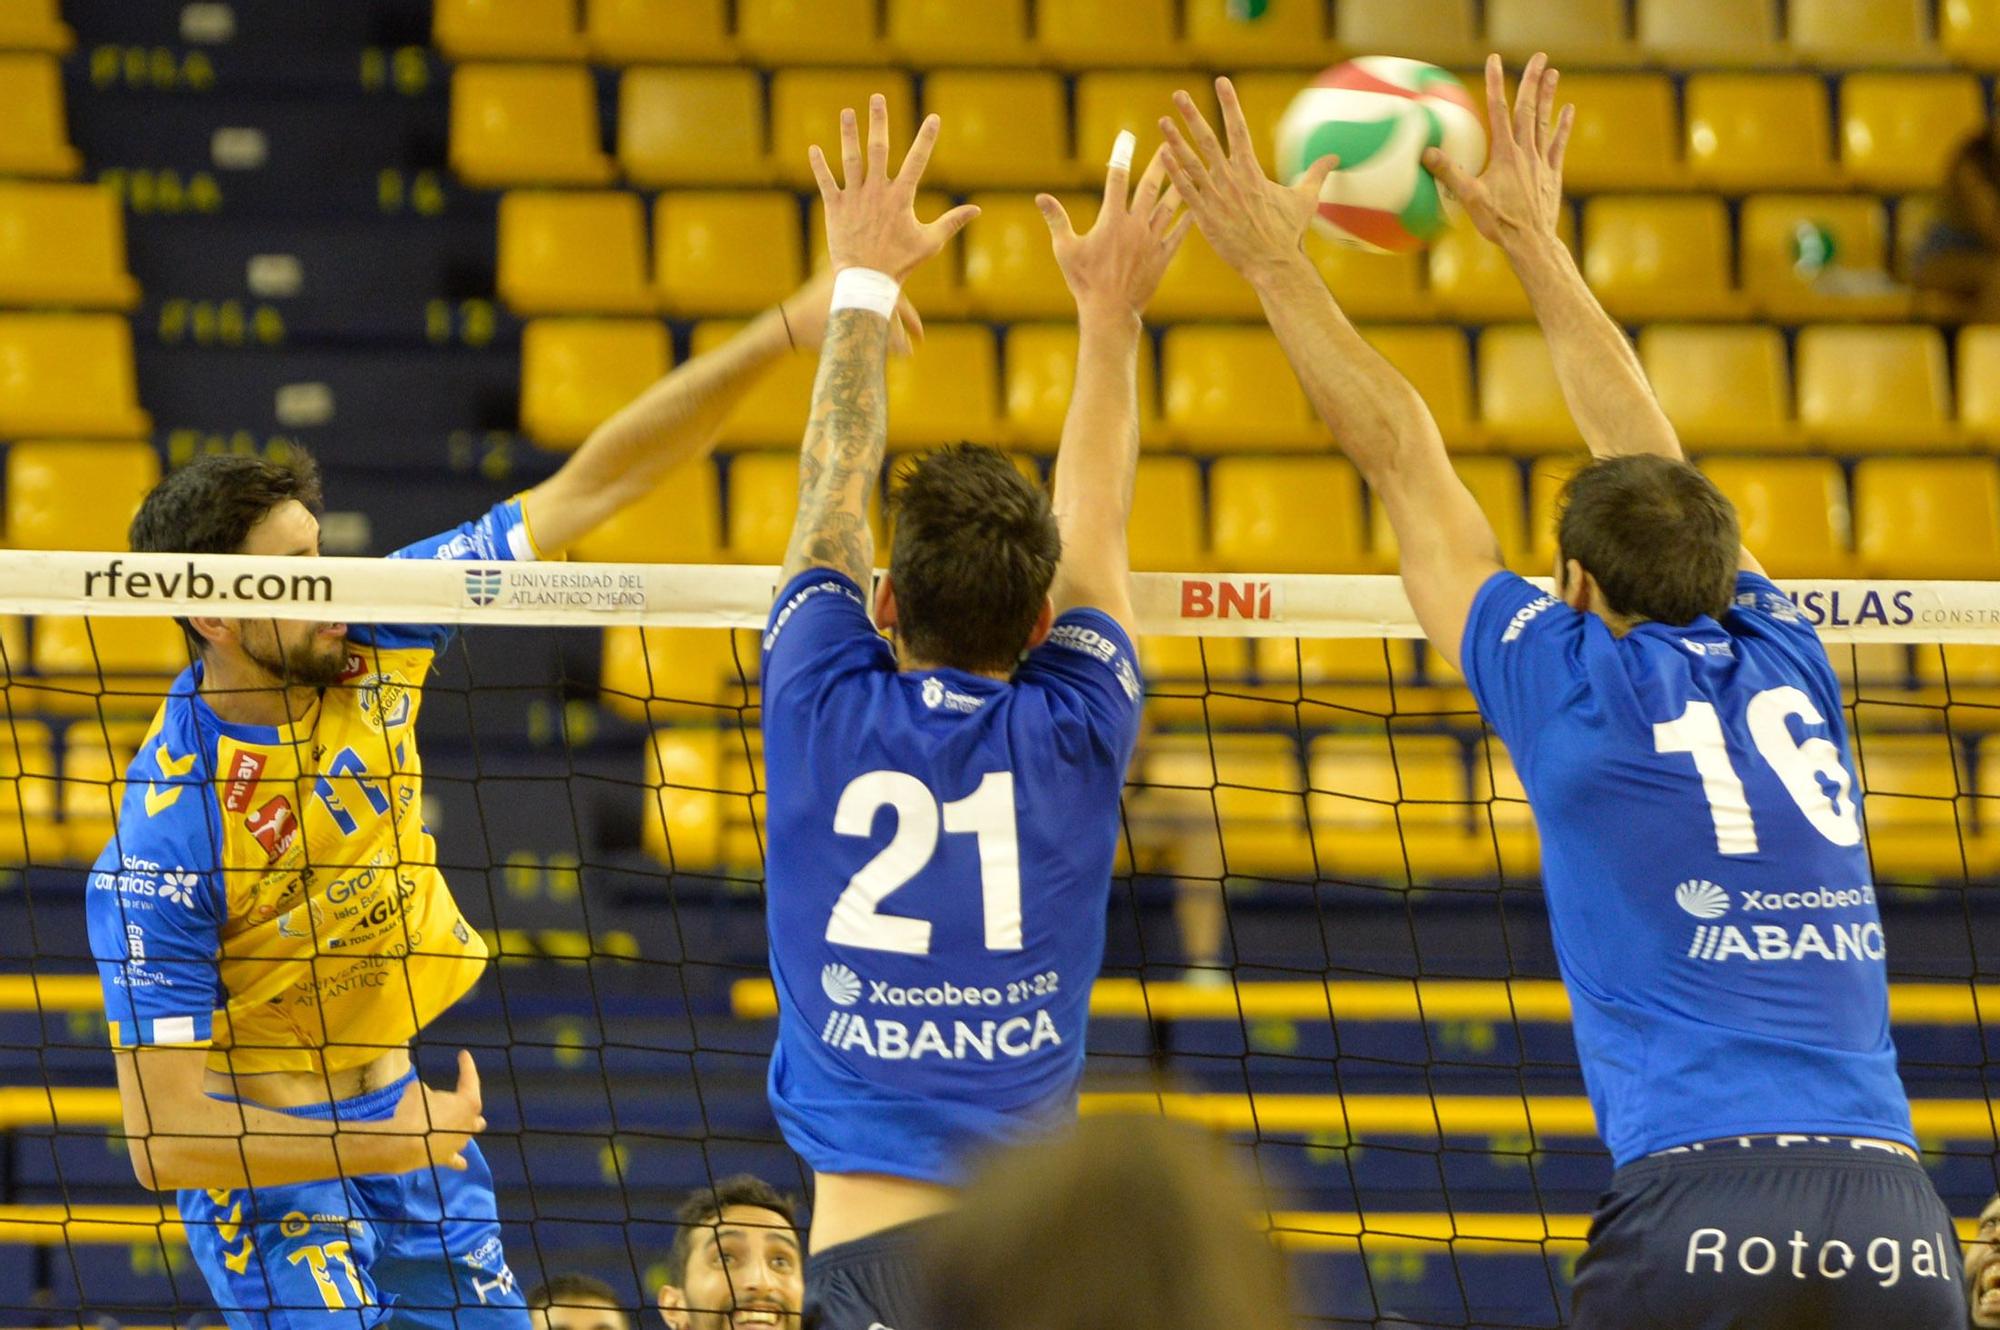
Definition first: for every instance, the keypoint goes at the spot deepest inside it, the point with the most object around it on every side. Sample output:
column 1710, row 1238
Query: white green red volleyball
column 1378, row 114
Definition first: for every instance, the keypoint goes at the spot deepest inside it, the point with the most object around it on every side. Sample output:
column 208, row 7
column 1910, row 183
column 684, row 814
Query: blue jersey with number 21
column 1702, row 855
column 939, row 867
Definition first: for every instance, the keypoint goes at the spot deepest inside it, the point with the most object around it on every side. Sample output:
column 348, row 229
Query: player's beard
column 310, row 663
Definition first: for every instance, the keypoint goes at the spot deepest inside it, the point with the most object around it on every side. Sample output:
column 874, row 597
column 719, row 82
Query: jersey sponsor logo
column 482, row 585
column 1703, row 900
column 384, row 700
column 178, row 887
column 353, row 669
column 1526, row 615
column 1088, row 641
column 936, row 695
column 1710, row 1251
column 1819, row 898
column 135, row 944
column 141, row 881
column 312, row 925
column 1777, row 942
column 1695, row 648
column 243, row 779
column 275, row 826
column 894, row 1041
column 800, row 597
column 159, row 799
column 840, row 984
column 1219, row 598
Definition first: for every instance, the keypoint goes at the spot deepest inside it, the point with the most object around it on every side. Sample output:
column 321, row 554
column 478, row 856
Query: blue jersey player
column 944, row 810
column 1679, row 731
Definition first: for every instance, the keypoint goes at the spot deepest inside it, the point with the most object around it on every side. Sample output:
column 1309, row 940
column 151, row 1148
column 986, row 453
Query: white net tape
column 739, row 596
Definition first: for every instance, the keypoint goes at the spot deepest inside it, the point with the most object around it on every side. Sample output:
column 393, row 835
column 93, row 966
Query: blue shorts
column 871, row 1283
column 1784, row 1233
column 415, row 1249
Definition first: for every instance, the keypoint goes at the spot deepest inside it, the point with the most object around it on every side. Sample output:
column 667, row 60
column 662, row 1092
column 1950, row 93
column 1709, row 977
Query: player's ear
column 1044, row 621
column 885, row 603
column 673, row 1307
column 214, row 630
column 1574, row 586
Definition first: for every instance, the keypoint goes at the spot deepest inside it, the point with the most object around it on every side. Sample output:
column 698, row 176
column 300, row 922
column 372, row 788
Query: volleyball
column 1378, row 114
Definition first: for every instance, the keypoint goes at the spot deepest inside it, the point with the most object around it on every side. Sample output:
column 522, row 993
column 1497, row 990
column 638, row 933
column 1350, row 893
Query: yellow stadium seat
column 1659, row 258
column 507, row 30
column 102, row 666
column 763, row 491
column 1041, row 373
column 1287, row 32
column 1915, row 806
column 1496, row 483
column 1394, row 808
column 95, row 758
column 1969, row 32
column 689, row 676
column 680, row 521
column 1927, row 517
column 695, row 793
column 1979, row 382
column 725, row 253
column 1915, row 215
column 947, row 389
column 805, row 110
column 937, row 288
column 1010, row 268
column 1442, row 31
column 1862, row 32
column 526, row 125
column 1759, row 131
column 1008, row 128
column 1546, row 479
column 809, row 32
column 1387, row 287
column 1497, row 785
column 1900, row 131
column 1879, row 389
column 1627, row 132
column 1166, row 533
column 1521, row 405
column 563, row 253
column 1372, row 676
column 1109, row 102
column 1198, row 284
column 934, row 33
column 1792, row 510
column 1263, row 95
column 1231, row 388
column 692, row 127
column 34, row 25
column 76, row 496
column 575, row 373
column 774, row 412
column 29, row 832
column 628, row 32
column 1711, row 32
column 68, row 374
column 63, row 245
column 1853, row 284
column 1471, row 280
column 34, row 132
column 1080, row 34
column 1437, row 363
column 1725, row 387
column 1230, row 804
column 1288, row 515
column 1585, row 32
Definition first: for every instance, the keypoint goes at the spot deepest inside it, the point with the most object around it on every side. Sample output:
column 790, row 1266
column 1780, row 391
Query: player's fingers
column 1150, row 181
column 1314, row 180
column 1234, row 126
column 1496, row 102
column 1184, row 165
column 878, row 136
column 828, row 186
column 458, row 1163
column 1056, row 216
column 1172, row 243
column 1527, row 99
column 1199, row 134
column 949, row 225
column 1545, row 113
column 919, row 156
column 1164, row 210
column 1559, row 145
column 909, row 323
column 1118, row 173
column 850, row 149
column 468, row 1078
column 1449, row 173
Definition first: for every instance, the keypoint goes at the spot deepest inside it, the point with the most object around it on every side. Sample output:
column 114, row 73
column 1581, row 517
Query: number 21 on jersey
column 1801, row 765
column 987, row 814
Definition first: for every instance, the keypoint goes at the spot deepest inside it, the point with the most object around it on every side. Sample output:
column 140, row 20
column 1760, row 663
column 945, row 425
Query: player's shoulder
column 170, row 781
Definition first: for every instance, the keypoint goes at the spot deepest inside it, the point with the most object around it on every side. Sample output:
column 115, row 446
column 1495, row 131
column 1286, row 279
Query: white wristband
column 865, row 288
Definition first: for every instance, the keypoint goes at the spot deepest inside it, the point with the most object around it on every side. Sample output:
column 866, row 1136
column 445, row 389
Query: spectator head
column 738, row 1262
column 1121, row 1224
column 576, row 1302
column 1982, row 1269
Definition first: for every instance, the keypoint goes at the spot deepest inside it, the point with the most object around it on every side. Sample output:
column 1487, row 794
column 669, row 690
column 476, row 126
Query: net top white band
column 739, row 596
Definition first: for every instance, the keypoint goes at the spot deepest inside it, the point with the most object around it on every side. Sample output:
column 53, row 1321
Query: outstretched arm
column 1258, row 226
column 1112, row 270
column 875, row 241
column 677, row 419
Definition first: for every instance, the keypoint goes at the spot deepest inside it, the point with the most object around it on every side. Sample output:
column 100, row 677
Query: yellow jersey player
column 269, row 920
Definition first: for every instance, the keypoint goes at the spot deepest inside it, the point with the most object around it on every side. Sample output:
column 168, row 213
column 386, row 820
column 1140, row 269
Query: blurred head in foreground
column 1125, row 1222
column 576, row 1302
column 1982, row 1270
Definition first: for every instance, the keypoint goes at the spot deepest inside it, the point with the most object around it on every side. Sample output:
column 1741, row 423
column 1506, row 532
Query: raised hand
column 1116, row 265
column 871, row 219
column 805, row 310
column 1519, row 194
column 447, row 1119
column 1248, row 218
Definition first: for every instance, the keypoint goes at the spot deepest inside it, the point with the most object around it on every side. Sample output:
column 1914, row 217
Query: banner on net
column 740, row 596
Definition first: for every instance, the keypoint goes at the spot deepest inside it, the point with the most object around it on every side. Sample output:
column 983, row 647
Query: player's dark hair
column 700, row 1211
column 1658, row 536
column 1123, row 1221
column 209, row 506
column 571, row 1290
column 976, row 547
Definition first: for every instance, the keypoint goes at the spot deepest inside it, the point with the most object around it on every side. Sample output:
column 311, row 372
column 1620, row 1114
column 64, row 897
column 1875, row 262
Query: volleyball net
column 1326, row 935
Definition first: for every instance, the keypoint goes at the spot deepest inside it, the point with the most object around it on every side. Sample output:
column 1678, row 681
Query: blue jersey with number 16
column 939, row 865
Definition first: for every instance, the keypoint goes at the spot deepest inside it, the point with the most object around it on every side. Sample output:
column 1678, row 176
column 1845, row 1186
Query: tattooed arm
column 871, row 223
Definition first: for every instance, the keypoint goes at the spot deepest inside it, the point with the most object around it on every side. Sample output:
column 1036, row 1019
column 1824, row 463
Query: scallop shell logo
column 841, row 984
column 1703, row 900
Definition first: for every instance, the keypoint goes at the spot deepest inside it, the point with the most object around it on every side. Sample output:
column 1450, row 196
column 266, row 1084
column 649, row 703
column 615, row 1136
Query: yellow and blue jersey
column 272, row 891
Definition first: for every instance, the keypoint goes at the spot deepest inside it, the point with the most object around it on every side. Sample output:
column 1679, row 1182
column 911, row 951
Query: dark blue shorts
column 872, row 1283
column 1825, row 1234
